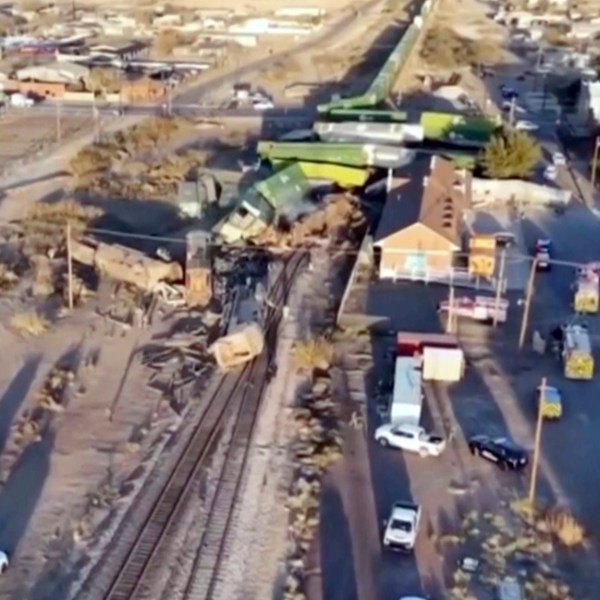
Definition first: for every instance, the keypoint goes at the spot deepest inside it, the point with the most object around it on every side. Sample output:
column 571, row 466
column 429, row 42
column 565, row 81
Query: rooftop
column 428, row 191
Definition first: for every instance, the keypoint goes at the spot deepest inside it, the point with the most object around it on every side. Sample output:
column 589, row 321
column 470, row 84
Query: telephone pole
column 537, row 443
column 595, row 162
column 511, row 113
column 450, row 322
column 525, row 319
column 58, row 123
column 69, row 266
column 499, row 285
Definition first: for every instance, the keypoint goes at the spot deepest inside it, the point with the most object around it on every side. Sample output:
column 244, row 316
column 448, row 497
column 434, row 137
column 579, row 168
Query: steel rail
column 226, row 399
column 211, row 546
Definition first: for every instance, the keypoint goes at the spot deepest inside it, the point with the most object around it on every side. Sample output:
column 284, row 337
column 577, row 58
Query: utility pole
column 537, row 443
column 69, row 266
column 595, row 162
column 511, row 112
column 450, row 322
column 58, row 123
column 169, row 99
column 525, row 320
column 499, row 285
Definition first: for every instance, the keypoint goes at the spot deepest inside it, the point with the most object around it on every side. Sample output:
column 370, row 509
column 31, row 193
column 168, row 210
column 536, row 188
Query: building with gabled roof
column 422, row 225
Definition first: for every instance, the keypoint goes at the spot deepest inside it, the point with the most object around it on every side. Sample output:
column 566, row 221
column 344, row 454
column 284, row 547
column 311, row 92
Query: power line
column 516, row 258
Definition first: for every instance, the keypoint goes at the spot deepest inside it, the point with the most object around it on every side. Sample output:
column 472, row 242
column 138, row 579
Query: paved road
column 193, row 101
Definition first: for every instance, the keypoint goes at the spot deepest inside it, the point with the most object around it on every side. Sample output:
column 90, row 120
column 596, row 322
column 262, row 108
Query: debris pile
column 179, row 360
column 519, row 545
column 338, row 214
column 317, row 446
column 129, row 307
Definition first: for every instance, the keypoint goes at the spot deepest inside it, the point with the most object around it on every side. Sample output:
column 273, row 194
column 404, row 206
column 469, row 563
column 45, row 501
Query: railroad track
column 236, row 393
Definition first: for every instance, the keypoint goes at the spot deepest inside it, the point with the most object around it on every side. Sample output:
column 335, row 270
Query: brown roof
column 435, row 194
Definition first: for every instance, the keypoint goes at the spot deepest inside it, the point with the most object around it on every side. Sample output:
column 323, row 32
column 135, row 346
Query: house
column 66, row 73
column 125, row 50
column 421, row 228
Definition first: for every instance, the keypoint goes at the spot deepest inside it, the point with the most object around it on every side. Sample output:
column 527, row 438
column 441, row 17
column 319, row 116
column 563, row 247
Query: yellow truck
column 586, row 290
column 578, row 360
column 551, row 401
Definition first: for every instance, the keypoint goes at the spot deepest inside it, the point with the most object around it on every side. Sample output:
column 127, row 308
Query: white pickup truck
column 411, row 438
column 402, row 526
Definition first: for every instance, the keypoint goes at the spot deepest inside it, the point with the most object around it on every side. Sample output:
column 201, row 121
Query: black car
column 501, row 451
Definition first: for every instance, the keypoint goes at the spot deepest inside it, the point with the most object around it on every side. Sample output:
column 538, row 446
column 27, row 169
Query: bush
column 444, row 48
column 29, row 323
column 510, row 154
column 316, row 353
column 564, row 526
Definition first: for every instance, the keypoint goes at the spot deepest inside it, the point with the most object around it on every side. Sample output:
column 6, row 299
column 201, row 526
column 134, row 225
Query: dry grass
column 564, row 526
column 29, row 323
column 45, row 224
column 446, row 49
column 316, row 353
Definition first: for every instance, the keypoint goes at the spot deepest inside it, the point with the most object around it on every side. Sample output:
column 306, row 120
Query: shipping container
column 443, row 364
column 407, row 397
column 409, row 343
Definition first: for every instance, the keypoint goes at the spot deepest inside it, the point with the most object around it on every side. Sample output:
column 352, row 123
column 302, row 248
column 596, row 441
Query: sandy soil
column 45, row 502
column 262, row 6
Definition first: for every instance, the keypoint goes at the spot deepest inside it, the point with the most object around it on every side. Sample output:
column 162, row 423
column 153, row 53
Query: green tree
column 510, row 154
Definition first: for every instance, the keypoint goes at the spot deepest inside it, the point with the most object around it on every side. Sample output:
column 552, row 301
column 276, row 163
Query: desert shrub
column 29, row 323
column 564, row 526
column 315, row 353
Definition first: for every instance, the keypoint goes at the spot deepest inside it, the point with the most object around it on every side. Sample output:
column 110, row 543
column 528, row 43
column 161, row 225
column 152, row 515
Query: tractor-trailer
column 407, row 397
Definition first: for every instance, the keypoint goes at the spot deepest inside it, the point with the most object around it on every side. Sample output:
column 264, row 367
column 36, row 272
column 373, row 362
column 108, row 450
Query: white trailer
column 407, row 397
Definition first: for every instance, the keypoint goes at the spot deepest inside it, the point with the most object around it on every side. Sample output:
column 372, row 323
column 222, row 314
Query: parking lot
column 495, row 397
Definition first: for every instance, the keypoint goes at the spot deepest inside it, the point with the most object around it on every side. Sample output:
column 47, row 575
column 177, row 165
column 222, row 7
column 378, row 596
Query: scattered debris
column 239, row 347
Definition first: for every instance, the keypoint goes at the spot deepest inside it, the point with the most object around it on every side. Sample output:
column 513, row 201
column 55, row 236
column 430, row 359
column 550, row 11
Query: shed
column 56, row 72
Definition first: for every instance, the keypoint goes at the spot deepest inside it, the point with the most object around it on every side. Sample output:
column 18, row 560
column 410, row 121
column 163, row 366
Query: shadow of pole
column 15, row 395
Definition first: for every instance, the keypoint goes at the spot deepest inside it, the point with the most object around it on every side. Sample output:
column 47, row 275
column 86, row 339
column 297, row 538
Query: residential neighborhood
column 299, row 301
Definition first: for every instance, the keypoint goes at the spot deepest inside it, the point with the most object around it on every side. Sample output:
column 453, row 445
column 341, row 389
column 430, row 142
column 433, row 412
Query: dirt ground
column 25, row 133
column 46, row 499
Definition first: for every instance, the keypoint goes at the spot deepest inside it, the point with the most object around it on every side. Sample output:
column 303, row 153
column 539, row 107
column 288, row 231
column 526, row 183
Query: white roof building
column 57, row 72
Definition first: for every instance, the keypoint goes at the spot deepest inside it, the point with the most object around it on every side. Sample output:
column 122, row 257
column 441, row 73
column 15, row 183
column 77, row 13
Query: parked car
column 543, row 252
column 526, row 126
column 3, row 562
column 501, row 451
column 19, row 100
column 550, row 173
column 559, row 159
column 263, row 105
column 551, row 402
column 402, row 526
column 508, row 93
column 411, row 438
